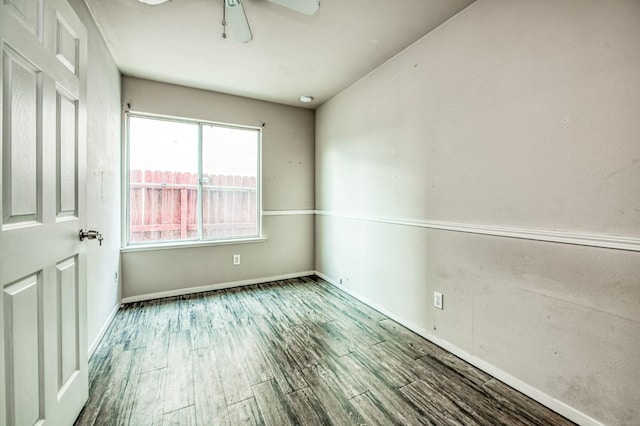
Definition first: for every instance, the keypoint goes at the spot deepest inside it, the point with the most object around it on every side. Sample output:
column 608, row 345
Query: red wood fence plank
column 161, row 211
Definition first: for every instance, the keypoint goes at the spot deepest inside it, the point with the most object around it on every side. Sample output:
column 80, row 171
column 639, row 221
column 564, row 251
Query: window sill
column 190, row 244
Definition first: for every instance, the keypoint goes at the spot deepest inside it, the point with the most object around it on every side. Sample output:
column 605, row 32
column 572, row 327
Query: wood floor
column 291, row 352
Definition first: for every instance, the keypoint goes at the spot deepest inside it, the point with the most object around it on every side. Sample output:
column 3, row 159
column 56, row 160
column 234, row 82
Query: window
column 191, row 181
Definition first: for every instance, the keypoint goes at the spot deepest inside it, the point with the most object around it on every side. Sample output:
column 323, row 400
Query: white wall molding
column 221, row 286
column 592, row 240
column 535, row 394
column 102, row 332
column 287, row 212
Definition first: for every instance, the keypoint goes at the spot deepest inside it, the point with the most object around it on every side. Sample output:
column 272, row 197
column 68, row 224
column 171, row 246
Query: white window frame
column 158, row 245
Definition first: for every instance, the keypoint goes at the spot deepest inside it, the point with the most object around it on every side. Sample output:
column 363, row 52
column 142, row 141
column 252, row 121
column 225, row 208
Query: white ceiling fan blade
column 308, row 7
column 237, row 20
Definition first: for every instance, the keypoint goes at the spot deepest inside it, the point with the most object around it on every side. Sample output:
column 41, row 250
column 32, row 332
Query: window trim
column 127, row 246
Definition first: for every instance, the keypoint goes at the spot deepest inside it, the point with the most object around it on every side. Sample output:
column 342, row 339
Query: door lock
column 91, row 235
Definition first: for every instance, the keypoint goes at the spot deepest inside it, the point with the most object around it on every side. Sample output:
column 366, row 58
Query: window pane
column 230, row 182
column 163, row 180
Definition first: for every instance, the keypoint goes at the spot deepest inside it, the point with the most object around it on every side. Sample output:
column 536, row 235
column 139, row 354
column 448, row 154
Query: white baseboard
column 221, row 286
column 102, row 332
column 533, row 393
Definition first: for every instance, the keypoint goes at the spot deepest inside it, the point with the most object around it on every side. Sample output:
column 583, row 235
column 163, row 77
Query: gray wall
column 511, row 117
column 103, row 179
column 287, row 182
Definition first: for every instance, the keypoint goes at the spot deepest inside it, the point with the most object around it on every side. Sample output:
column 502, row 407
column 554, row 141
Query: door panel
column 67, row 43
column 43, row 349
column 21, row 142
column 66, row 113
column 23, row 342
column 67, row 330
column 29, row 13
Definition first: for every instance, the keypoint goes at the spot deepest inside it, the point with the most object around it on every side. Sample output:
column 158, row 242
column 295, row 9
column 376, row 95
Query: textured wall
column 287, row 183
column 513, row 116
column 103, row 178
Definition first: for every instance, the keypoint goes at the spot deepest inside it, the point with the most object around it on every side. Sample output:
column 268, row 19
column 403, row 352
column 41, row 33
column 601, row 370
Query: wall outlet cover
column 437, row 299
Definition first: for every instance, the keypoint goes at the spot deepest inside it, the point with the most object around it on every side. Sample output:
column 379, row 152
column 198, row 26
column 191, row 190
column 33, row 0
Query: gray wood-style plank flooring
column 293, row 352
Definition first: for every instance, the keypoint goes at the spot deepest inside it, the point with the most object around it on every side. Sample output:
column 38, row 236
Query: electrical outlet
column 236, row 259
column 340, row 281
column 116, row 277
column 437, row 300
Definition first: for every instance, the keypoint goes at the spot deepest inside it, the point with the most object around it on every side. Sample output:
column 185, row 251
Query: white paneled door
column 43, row 351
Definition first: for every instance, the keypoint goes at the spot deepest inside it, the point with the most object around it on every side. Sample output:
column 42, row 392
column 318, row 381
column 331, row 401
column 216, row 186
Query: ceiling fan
column 235, row 17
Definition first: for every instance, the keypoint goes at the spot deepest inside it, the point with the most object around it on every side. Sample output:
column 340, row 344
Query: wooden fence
column 163, row 206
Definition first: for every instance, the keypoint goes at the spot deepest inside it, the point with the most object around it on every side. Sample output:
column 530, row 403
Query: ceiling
column 291, row 54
